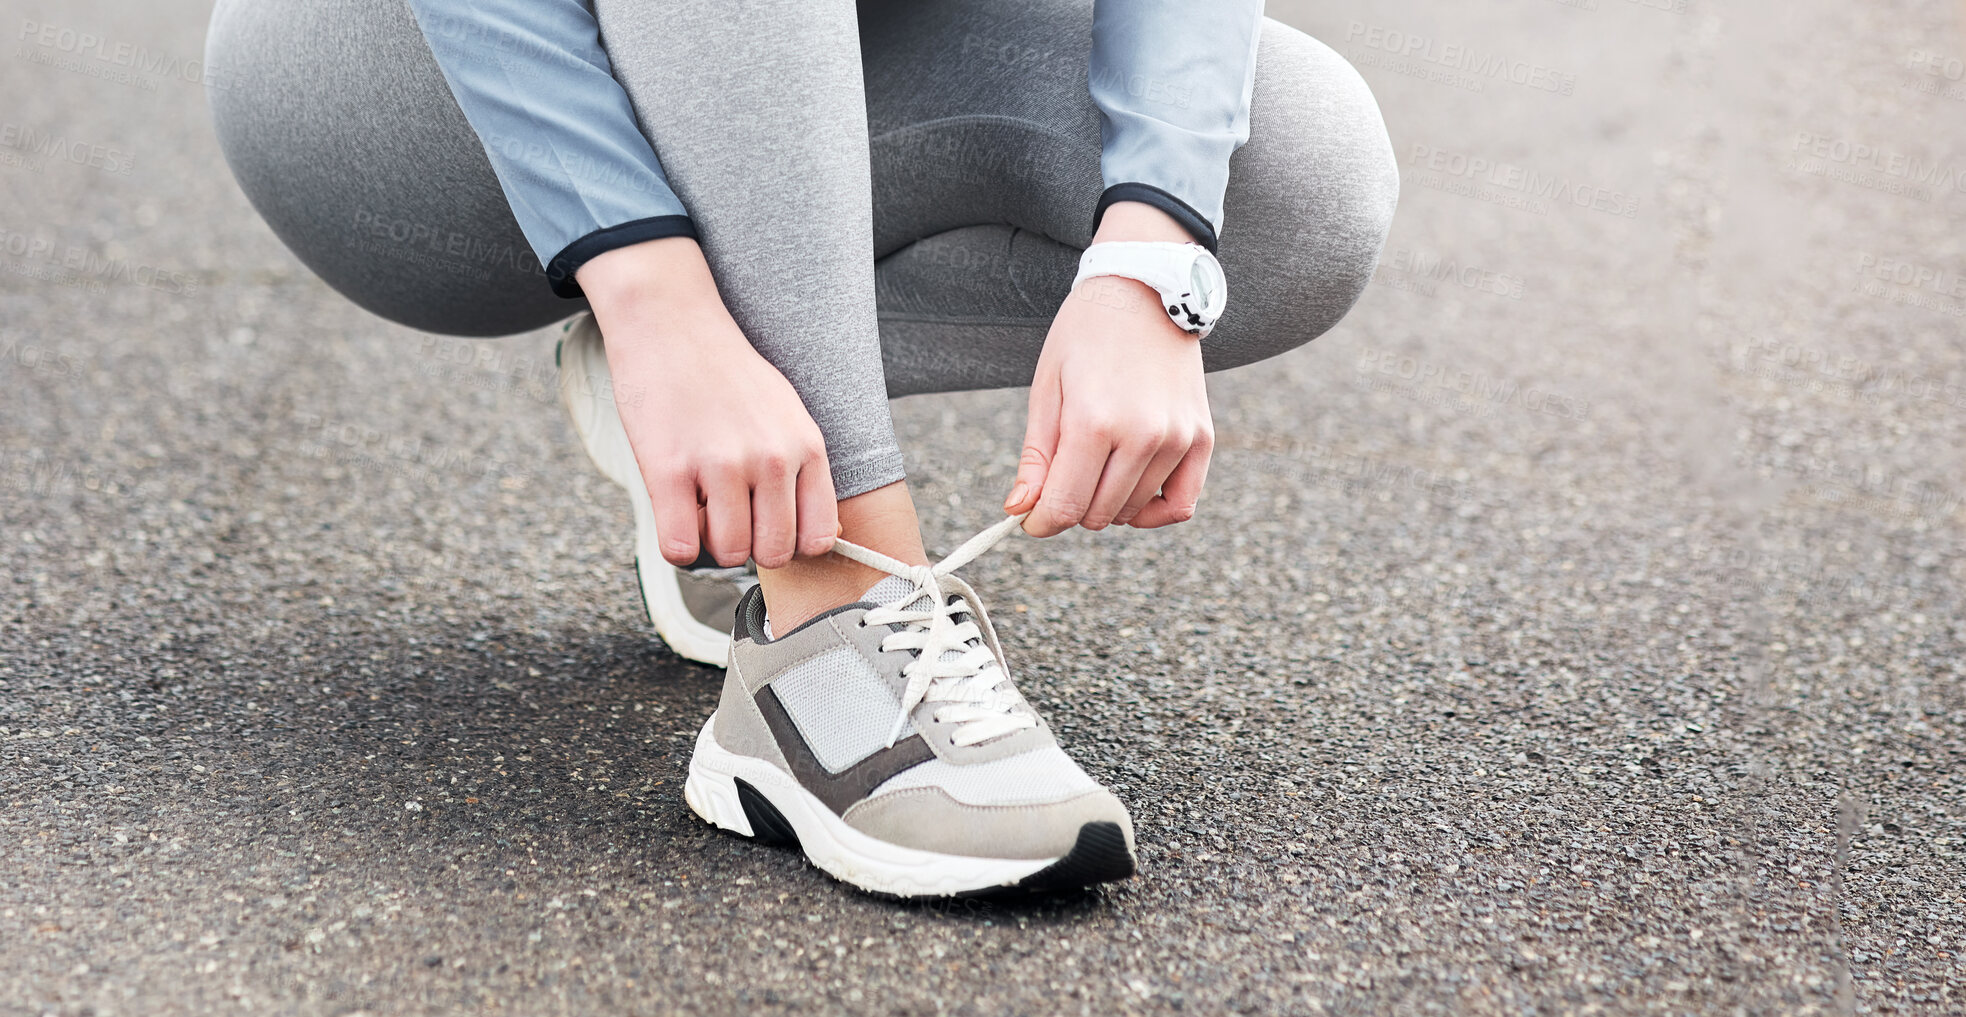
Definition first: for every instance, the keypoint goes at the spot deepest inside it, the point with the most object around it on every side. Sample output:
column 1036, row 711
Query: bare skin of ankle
column 882, row 519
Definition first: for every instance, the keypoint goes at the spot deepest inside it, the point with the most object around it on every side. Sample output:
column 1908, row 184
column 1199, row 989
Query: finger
column 673, row 497
column 1040, row 444
column 1119, row 480
column 1151, row 479
column 774, row 515
column 1154, row 515
column 727, row 512
column 1070, row 481
column 1180, row 492
column 819, row 511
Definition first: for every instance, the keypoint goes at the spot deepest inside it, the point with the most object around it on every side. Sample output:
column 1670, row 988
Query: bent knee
column 1310, row 201
column 337, row 124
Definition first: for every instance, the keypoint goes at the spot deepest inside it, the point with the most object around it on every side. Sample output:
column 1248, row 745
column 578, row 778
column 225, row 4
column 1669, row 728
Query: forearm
column 641, row 279
column 659, row 295
column 1134, row 220
column 1172, row 80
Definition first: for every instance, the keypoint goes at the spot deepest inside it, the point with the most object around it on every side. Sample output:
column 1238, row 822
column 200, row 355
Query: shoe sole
column 662, row 598
column 753, row 798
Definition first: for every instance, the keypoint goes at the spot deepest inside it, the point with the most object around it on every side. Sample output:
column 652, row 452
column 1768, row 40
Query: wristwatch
column 1187, row 276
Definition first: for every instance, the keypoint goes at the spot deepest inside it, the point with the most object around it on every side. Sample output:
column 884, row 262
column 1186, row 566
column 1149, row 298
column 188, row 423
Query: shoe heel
column 712, row 790
column 715, row 798
column 727, row 801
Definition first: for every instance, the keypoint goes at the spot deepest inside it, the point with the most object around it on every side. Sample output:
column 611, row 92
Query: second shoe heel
column 695, row 622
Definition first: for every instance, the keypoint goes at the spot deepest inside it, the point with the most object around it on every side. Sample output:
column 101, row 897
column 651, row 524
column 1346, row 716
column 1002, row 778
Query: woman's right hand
column 732, row 460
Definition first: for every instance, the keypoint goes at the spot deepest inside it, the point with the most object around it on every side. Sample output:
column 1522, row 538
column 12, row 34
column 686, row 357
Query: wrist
column 670, row 272
column 1105, row 310
column 1186, row 278
column 1114, row 294
column 1137, row 220
column 657, row 294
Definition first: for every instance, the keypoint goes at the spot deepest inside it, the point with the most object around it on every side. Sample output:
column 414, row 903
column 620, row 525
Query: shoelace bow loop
column 953, row 664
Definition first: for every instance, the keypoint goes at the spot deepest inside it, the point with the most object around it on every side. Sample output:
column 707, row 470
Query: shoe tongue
column 888, row 590
column 892, row 589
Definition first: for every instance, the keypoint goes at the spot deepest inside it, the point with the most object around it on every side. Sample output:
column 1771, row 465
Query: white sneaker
column 886, row 740
column 693, row 608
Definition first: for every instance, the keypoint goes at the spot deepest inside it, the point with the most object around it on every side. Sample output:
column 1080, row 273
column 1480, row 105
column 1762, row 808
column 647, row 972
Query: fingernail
column 1016, row 495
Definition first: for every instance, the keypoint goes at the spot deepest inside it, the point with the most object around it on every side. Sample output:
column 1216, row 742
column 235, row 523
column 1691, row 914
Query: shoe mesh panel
column 887, row 590
column 841, row 706
column 893, row 588
column 1029, row 778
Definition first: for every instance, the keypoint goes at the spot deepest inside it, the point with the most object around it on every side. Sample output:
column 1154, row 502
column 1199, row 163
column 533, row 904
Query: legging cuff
column 866, row 472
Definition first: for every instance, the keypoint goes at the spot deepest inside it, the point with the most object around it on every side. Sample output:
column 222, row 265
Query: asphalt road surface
column 1575, row 629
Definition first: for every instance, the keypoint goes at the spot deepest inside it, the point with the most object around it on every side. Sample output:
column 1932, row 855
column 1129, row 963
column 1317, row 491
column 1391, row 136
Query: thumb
column 1040, row 444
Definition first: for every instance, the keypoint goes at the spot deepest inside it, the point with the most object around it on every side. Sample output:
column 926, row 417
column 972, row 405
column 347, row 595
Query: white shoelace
column 953, row 667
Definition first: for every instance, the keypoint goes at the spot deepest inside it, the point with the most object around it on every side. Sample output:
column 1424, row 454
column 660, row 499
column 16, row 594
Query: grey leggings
column 891, row 204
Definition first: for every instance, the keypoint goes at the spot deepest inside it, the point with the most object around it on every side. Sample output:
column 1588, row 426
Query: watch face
column 1207, row 284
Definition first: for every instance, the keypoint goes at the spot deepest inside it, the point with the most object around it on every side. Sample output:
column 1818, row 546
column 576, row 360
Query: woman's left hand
column 1119, row 429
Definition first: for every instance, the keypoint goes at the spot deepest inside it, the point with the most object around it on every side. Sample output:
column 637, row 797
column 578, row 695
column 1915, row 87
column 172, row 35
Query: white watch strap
column 1149, row 261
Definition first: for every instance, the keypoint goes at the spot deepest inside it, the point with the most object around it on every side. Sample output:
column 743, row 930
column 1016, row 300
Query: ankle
column 882, row 519
column 794, row 595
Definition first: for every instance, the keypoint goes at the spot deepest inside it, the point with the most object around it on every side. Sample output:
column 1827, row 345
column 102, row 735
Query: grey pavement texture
column 1576, row 629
